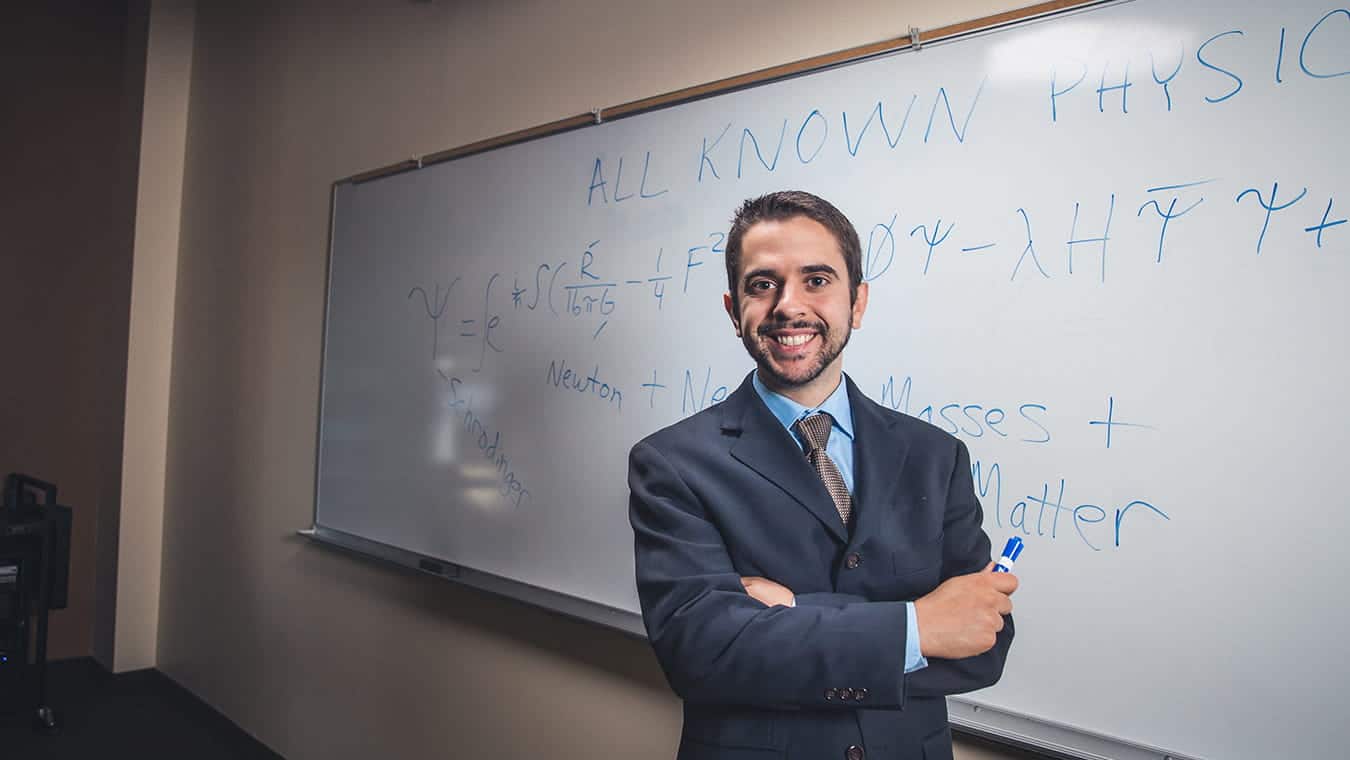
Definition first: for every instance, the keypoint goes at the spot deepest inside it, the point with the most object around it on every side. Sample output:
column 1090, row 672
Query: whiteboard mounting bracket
column 914, row 42
column 596, row 113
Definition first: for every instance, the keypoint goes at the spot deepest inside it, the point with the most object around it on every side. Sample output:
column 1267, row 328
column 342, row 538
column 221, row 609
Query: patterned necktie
column 815, row 431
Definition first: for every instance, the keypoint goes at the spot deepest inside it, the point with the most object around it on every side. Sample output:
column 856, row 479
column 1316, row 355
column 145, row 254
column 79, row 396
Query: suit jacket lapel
column 767, row 448
column 878, row 459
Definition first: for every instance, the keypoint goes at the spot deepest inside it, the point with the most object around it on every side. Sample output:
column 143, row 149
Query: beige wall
column 167, row 72
column 70, row 122
column 323, row 655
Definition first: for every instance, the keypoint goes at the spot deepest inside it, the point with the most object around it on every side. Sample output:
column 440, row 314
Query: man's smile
column 792, row 342
column 792, row 346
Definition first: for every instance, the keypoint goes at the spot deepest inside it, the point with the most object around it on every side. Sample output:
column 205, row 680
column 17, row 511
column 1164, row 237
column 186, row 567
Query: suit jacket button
column 830, row 694
column 852, row 561
column 846, row 694
column 854, row 752
column 859, row 695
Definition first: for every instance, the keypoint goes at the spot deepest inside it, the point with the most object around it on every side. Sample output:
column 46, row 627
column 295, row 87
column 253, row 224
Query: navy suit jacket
column 728, row 493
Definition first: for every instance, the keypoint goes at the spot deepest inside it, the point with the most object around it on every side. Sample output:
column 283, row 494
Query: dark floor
column 145, row 715
column 141, row 714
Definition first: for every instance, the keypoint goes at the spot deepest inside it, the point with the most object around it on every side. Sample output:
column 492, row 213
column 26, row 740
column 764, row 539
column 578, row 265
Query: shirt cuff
column 914, row 659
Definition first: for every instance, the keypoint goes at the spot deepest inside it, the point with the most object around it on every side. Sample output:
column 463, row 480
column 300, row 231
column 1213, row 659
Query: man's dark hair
column 787, row 204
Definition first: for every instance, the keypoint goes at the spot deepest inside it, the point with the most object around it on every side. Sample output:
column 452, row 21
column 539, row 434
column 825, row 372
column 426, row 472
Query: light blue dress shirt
column 839, row 447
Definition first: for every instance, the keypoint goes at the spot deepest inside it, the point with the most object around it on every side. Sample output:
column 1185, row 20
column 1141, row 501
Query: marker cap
column 1011, row 551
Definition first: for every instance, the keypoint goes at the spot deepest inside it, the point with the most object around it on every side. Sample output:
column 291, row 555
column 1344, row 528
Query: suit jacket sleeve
column 965, row 550
column 719, row 645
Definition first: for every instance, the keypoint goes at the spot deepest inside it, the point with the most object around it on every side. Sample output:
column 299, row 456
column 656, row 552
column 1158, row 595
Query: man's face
column 794, row 314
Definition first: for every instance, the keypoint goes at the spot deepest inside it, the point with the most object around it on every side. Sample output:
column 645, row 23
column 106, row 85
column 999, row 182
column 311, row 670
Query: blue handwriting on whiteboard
column 1171, row 212
column 933, row 240
column 435, row 308
column 824, row 129
column 705, row 160
column 872, row 261
column 1031, row 249
column 951, row 119
column 540, row 289
column 1324, row 53
column 509, row 483
column 560, row 376
column 1270, row 207
column 1343, row 47
column 1056, row 93
column 969, row 420
column 1325, row 224
column 1039, row 514
column 762, row 151
column 694, row 400
column 1163, row 83
column 657, row 281
column 1279, row 58
column 1106, row 235
column 490, row 323
column 652, row 387
column 591, row 295
column 880, row 117
column 1111, row 421
column 1200, row 56
column 777, row 151
column 598, row 182
column 1124, row 87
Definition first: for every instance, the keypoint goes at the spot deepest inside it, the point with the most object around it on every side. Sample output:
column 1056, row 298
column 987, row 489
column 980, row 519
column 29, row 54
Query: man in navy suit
column 812, row 589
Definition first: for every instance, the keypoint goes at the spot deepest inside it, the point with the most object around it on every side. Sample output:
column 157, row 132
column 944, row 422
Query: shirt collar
column 787, row 411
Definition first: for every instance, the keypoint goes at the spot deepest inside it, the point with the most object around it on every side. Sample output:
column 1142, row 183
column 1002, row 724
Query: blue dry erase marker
column 1011, row 551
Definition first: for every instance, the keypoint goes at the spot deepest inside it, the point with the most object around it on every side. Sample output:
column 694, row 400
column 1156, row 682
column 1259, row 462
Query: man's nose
column 791, row 302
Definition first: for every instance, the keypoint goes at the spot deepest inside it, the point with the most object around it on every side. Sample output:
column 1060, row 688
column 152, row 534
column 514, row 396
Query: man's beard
column 830, row 348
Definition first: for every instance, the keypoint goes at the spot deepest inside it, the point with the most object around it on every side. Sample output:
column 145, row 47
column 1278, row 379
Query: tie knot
column 815, row 430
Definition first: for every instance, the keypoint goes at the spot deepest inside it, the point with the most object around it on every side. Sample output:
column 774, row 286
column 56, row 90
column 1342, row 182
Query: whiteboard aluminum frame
column 614, row 618
column 1046, row 737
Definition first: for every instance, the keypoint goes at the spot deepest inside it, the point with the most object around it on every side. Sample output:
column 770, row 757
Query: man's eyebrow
column 819, row 268
column 761, row 272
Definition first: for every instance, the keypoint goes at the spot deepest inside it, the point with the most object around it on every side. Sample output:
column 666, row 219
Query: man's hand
column 767, row 592
column 962, row 617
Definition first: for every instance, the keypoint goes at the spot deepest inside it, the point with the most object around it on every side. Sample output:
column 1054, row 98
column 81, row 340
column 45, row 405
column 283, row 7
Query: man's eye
column 761, row 285
column 817, row 282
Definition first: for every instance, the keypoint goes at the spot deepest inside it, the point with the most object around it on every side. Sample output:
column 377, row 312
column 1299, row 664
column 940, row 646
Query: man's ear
column 730, row 306
column 859, row 305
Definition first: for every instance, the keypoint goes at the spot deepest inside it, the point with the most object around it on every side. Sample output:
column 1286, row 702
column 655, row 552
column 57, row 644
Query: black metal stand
column 29, row 529
column 44, row 719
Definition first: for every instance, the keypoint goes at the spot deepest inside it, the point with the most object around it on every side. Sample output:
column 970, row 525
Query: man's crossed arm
column 960, row 618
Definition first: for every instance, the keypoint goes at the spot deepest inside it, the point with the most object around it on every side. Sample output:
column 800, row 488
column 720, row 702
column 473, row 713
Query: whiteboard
column 1106, row 249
